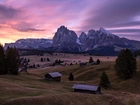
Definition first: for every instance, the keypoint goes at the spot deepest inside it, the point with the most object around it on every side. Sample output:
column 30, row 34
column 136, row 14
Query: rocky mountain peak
column 83, row 37
column 64, row 35
column 91, row 33
column 62, row 28
column 65, row 38
column 105, row 31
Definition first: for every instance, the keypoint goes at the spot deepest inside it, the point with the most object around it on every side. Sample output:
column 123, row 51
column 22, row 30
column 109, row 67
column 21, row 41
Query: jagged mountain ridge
column 102, row 37
column 100, row 42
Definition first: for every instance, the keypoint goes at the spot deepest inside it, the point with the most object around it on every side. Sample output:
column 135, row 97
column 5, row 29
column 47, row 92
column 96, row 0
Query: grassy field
column 30, row 88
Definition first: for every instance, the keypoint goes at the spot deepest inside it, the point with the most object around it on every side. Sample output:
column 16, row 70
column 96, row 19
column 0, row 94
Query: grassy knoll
column 31, row 89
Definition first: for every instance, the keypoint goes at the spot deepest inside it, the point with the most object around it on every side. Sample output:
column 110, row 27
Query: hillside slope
column 31, row 88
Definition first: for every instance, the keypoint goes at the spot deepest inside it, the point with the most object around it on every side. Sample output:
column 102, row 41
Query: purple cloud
column 41, row 18
column 113, row 13
column 8, row 13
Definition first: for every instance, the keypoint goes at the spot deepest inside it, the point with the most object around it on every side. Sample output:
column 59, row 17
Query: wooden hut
column 86, row 88
column 55, row 76
column 83, row 63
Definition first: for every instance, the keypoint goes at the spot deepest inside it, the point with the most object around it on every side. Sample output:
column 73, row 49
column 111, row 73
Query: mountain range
column 99, row 42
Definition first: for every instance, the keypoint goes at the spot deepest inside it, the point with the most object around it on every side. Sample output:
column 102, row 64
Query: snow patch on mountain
column 105, row 31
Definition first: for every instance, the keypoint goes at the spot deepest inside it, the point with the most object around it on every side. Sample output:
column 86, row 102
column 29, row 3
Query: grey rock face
column 65, row 40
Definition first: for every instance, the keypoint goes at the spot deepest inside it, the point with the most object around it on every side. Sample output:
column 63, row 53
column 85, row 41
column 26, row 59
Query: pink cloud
column 41, row 18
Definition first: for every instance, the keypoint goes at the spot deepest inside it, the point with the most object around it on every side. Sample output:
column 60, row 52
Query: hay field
column 31, row 89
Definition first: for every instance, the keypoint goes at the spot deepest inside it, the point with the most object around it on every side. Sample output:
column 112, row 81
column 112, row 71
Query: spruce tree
column 41, row 59
column 12, row 60
column 126, row 64
column 48, row 59
column 28, row 60
column 71, row 77
column 98, row 61
column 90, row 60
column 104, row 81
column 2, row 60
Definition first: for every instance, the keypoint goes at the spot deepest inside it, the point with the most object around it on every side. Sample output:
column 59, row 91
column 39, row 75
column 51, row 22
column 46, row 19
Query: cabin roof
column 55, row 74
column 85, row 87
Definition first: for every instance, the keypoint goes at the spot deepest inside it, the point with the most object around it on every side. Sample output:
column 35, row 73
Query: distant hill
column 30, row 43
column 100, row 42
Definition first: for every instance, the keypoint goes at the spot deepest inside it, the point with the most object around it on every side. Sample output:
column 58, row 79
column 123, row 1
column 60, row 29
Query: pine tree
column 71, row 77
column 104, row 81
column 90, row 60
column 2, row 60
column 126, row 64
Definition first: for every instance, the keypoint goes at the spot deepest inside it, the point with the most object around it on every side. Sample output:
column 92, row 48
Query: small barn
column 55, row 76
column 86, row 88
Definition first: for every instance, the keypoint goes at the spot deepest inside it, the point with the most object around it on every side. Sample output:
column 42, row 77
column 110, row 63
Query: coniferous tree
column 25, row 60
column 28, row 60
column 48, row 59
column 98, row 61
column 38, row 65
column 41, row 59
column 2, row 60
column 33, row 65
column 90, row 60
column 59, row 61
column 12, row 60
column 71, row 64
column 71, row 77
column 125, row 66
column 7, row 61
column 104, row 81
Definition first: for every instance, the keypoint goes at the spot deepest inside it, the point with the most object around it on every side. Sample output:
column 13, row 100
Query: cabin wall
column 58, row 79
column 84, row 91
column 48, row 77
column 99, row 90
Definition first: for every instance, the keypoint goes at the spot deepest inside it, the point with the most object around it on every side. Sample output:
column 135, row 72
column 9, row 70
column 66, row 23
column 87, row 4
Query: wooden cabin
column 83, row 63
column 55, row 76
column 86, row 88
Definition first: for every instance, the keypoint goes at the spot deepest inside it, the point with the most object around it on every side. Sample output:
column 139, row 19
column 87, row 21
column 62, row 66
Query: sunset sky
column 41, row 18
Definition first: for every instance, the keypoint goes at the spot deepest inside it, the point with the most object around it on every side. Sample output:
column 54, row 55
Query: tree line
column 9, row 60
